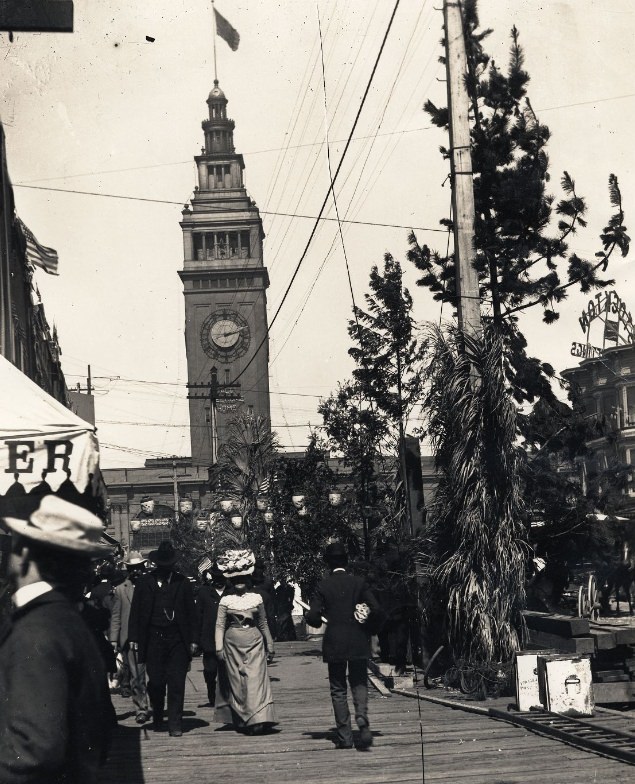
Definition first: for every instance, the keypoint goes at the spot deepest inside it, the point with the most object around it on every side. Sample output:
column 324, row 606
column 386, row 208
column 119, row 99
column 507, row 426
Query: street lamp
column 335, row 498
column 298, row 501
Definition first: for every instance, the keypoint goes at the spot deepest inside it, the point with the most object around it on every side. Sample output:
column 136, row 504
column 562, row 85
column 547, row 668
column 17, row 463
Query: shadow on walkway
column 124, row 764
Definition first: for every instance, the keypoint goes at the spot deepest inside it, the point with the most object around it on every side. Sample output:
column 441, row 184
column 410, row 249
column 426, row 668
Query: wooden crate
column 565, row 684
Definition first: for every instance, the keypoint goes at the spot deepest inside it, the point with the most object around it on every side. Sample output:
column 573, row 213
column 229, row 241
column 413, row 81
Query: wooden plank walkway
column 458, row 746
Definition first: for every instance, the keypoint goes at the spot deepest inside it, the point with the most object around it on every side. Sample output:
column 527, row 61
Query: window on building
column 219, row 176
column 608, row 407
column 244, row 244
column 221, row 245
column 630, row 406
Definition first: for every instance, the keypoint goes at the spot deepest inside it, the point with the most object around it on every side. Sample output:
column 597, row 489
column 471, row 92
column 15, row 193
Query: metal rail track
column 577, row 732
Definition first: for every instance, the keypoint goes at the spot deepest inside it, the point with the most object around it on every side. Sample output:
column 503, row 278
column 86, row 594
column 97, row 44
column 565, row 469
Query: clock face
column 225, row 335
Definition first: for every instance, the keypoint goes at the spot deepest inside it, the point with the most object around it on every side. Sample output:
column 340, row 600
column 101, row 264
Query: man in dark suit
column 119, row 623
column 56, row 717
column 209, row 595
column 347, row 604
column 162, row 632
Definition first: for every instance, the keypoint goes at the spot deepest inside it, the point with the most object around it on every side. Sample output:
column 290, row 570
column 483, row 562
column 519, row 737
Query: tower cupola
column 219, row 131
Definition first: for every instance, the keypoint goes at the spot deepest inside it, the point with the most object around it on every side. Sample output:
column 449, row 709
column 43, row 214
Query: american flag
column 226, row 31
column 36, row 254
column 264, row 486
column 204, row 566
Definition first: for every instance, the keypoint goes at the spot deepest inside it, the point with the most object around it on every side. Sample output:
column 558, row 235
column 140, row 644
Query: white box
column 527, row 691
column 565, row 684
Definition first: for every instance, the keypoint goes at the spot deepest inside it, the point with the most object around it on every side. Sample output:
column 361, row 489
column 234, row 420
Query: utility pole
column 222, row 397
column 461, row 171
column 213, row 394
column 175, row 490
column 402, row 448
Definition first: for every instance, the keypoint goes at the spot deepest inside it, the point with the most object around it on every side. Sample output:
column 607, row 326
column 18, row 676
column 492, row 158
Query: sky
column 104, row 110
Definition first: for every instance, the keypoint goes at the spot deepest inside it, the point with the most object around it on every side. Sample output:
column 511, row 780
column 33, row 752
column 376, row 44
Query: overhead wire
column 344, row 80
column 330, row 171
column 307, row 144
column 409, row 51
column 328, row 155
column 229, row 209
column 313, row 231
column 301, row 177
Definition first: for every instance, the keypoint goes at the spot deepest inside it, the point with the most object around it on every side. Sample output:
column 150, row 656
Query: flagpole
column 214, row 18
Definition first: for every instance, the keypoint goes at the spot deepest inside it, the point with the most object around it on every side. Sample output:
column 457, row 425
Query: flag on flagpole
column 226, row 31
column 612, row 330
column 36, row 254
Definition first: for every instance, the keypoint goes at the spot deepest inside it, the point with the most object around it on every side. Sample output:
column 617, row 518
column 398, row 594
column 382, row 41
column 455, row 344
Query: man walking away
column 209, row 595
column 348, row 605
column 161, row 631
column 133, row 672
column 56, row 717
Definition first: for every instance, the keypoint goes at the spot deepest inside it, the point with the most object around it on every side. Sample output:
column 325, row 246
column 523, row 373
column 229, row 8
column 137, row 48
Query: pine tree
column 362, row 419
column 387, row 354
column 523, row 260
column 296, row 537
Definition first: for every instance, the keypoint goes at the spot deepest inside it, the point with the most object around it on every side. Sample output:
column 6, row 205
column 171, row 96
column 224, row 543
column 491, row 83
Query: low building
column 143, row 500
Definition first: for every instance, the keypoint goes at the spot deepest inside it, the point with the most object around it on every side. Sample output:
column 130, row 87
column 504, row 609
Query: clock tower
column 224, row 284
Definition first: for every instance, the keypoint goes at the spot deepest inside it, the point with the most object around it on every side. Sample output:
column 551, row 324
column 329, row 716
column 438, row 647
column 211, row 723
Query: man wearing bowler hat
column 162, row 633
column 349, row 607
column 209, row 595
column 119, row 623
column 56, row 716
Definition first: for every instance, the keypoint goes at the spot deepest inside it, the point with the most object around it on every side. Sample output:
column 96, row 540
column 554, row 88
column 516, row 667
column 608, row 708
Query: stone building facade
column 226, row 338
column 224, row 284
column 606, row 384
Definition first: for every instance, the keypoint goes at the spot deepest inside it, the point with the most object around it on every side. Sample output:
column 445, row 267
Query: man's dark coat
column 207, row 607
column 56, row 717
column 335, row 599
column 143, row 598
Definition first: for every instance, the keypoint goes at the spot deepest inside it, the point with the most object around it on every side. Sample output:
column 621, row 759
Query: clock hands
column 233, row 332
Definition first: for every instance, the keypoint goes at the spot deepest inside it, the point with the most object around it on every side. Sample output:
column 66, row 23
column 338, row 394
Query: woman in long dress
column 243, row 693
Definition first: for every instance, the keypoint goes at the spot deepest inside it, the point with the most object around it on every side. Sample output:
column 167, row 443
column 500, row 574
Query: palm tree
column 244, row 465
column 477, row 532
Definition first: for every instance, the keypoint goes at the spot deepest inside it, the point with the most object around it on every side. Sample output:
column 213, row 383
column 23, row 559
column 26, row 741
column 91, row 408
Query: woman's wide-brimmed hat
column 236, row 563
column 65, row 526
column 165, row 555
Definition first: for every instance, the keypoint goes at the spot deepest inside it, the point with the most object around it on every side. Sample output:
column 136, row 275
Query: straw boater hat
column 236, row 563
column 135, row 559
column 65, row 526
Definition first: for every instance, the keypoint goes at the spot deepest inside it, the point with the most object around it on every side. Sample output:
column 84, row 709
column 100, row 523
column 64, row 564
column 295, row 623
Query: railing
column 222, row 252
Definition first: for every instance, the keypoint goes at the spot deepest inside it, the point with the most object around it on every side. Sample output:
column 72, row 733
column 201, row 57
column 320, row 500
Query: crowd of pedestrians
column 77, row 631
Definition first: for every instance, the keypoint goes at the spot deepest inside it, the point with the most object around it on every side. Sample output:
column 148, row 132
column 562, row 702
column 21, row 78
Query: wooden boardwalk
column 457, row 746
